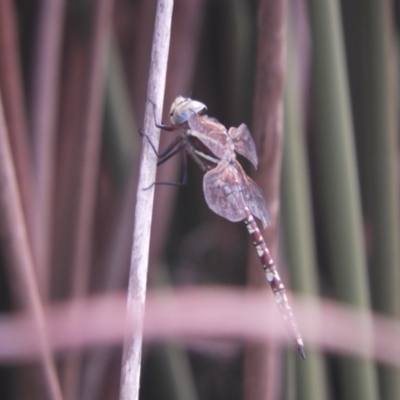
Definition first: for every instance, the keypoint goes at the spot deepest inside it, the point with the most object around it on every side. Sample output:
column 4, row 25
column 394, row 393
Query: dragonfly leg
column 167, row 157
column 166, row 153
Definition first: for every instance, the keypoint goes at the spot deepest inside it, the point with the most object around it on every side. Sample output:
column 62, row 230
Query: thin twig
column 92, row 120
column 114, row 261
column 208, row 313
column 19, row 257
column 69, row 163
column 14, row 103
column 144, row 202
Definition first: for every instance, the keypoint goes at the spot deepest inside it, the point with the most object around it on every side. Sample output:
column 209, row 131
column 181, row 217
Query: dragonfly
column 228, row 190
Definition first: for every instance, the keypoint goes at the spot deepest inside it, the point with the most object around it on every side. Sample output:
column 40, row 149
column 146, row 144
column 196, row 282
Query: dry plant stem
column 91, row 124
column 44, row 116
column 115, row 261
column 131, row 361
column 13, row 99
column 144, row 30
column 208, row 313
column 261, row 363
column 68, row 163
column 19, row 258
column 89, row 175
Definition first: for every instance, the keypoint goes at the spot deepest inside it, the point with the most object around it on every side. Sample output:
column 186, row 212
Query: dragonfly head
column 181, row 109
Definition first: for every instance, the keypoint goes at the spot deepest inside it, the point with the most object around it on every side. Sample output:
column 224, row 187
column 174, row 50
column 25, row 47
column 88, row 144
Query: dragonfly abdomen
column 274, row 281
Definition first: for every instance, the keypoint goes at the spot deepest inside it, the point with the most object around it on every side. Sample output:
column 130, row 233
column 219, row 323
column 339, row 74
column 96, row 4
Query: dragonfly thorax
column 182, row 108
column 202, row 154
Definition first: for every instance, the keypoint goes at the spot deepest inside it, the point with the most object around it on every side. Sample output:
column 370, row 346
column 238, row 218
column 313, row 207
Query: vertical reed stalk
column 131, row 361
column 44, row 111
column 14, row 105
column 19, row 258
column 262, row 363
column 88, row 179
column 340, row 213
column 297, row 216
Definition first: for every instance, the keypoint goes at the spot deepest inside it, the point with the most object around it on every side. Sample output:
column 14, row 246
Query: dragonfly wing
column 244, row 143
column 255, row 201
column 223, row 191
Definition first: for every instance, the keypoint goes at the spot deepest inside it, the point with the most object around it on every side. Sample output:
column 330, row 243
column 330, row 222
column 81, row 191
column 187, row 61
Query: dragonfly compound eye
column 182, row 108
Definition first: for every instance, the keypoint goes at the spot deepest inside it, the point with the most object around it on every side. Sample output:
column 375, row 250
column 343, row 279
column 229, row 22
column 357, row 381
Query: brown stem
column 88, row 178
column 44, row 117
column 19, row 257
column 13, row 103
column 261, row 361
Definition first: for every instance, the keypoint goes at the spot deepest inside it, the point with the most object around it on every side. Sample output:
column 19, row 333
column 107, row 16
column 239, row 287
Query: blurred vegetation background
column 73, row 79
